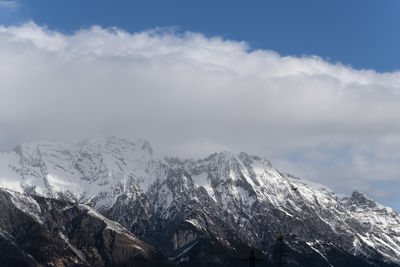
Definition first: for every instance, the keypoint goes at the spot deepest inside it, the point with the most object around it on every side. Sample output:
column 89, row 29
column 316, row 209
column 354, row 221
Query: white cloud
column 9, row 4
column 192, row 95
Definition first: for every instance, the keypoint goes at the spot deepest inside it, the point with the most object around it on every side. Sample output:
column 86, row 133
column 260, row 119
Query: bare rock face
column 11, row 254
column 198, row 212
column 37, row 231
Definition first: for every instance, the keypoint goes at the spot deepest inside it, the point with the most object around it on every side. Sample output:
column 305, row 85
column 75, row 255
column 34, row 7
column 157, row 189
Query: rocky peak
column 360, row 199
column 112, row 143
column 225, row 195
column 249, row 159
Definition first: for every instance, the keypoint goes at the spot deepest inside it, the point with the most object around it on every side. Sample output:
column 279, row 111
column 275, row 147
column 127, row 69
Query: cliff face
column 203, row 211
column 37, row 231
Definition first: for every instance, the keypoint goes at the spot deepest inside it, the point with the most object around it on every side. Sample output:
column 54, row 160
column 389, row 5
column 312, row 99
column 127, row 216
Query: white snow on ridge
column 73, row 248
column 311, row 245
column 195, row 223
column 8, row 177
column 98, row 171
column 26, row 204
column 202, row 181
column 87, row 169
column 112, row 225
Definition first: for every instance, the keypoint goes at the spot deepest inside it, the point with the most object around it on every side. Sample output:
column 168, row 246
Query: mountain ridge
column 225, row 198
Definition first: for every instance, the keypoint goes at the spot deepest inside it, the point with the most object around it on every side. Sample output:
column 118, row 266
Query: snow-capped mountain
column 222, row 204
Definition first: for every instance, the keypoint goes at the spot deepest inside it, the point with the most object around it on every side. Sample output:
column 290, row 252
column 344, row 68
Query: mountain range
column 114, row 202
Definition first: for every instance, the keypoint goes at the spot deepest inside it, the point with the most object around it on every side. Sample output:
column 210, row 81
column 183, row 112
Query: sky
column 311, row 85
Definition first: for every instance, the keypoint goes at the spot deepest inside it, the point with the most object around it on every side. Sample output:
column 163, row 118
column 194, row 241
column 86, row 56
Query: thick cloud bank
column 192, row 95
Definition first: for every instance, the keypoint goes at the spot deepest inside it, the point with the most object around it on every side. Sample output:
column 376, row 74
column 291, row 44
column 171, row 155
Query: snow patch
column 310, row 244
column 112, row 225
column 195, row 223
column 27, row 205
column 73, row 248
column 185, row 250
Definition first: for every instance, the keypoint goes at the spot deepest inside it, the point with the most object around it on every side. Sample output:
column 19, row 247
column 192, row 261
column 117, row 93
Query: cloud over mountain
column 192, row 94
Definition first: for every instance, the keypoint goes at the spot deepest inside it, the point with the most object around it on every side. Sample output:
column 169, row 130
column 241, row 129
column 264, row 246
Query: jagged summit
column 361, row 199
column 223, row 200
column 112, row 142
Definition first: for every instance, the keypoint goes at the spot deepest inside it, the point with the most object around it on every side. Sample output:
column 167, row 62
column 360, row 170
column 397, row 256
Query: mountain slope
column 233, row 201
column 37, row 231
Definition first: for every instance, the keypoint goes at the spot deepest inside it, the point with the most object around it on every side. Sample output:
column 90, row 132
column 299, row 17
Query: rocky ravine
column 207, row 211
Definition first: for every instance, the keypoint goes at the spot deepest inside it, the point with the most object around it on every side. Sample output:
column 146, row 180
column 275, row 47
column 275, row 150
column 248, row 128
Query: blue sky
column 360, row 33
column 311, row 85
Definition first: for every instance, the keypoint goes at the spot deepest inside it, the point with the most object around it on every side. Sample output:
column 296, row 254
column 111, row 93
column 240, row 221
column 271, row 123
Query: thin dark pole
column 281, row 251
column 252, row 259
